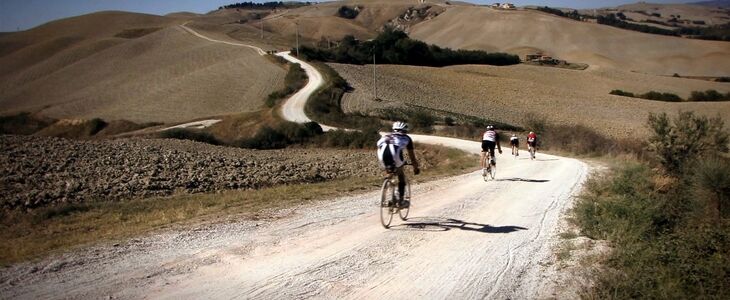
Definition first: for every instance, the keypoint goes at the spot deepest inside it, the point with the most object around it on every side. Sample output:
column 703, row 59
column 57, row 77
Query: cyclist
column 532, row 143
column 390, row 154
column 490, row 138
column 514, row 141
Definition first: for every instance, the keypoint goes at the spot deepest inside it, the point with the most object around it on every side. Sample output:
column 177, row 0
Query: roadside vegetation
column 696, row 96
column 666, row 215
column 395, row 47
column 295, row 79
column 266, row 5
column 40, row 232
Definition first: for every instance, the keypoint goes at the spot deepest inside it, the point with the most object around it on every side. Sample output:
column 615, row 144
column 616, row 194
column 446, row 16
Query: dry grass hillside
column 522, row 32
column 321, row 20
column 117, row 65
column 506, row 94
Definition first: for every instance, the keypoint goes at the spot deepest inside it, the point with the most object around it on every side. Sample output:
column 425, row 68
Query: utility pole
column 297, row 23
column 375, row 78
column 262, row 28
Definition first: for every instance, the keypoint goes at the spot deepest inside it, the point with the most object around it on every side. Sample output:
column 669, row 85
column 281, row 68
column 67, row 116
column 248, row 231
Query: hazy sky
column 25, row 14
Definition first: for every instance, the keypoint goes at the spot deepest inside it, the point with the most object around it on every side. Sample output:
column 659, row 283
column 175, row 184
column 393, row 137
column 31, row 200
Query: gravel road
column 466, row 239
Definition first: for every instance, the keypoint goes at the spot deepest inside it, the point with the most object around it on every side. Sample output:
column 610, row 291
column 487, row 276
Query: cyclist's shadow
column 446, row 224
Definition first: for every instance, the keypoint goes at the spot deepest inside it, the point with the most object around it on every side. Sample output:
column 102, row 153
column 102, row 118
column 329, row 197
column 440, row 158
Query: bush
column 722, row 79
column 535, row 122
column 395, row 47
column 712, row 182
column 285, row 134
column 23, row 123
column 652, row 95
column 661, row 245
column 612, row 20
column 687, row 137
column 621, row 93
column 295, row 79
column 668, row 97
column 356, row 139
column 709, row 95
column 190, row 134
column 347, row 12
column 449, row 121
column 421, row 120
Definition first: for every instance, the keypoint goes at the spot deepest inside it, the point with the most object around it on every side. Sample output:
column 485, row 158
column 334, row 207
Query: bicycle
column 491, row 170
column 389, row 200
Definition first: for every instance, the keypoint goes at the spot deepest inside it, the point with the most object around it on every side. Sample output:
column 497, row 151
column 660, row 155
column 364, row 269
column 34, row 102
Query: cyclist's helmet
column 514, row 134
column 400, row 126
column 532, row 132
column 490, row 127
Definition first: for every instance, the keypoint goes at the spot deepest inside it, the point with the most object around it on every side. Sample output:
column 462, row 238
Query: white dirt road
column 293, row 108
column 465, row 239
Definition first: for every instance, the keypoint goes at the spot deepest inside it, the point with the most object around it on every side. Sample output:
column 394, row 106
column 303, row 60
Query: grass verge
column 29, row 235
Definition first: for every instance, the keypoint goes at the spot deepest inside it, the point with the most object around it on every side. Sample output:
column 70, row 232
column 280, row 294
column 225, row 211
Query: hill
column 507, row 94
column 118, row 65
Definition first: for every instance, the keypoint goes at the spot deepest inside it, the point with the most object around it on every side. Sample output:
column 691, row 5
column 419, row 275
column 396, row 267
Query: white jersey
column 394, row 144
column 490, row 135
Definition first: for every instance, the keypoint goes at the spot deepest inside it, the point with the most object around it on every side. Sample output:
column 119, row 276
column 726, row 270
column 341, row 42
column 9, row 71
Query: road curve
column 293, row 108
column 465, row 239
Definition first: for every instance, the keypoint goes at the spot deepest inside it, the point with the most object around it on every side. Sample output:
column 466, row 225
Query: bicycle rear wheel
column 403, row 212
column 493, row 172
column 387, row 203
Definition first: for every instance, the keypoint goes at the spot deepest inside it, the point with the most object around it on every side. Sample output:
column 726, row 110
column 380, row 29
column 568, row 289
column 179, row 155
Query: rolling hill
column 118, row 65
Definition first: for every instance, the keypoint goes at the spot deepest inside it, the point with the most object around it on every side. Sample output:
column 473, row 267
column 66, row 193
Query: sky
column 25, row 14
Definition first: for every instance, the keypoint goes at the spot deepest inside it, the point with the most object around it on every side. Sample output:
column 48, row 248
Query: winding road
column 465, row 239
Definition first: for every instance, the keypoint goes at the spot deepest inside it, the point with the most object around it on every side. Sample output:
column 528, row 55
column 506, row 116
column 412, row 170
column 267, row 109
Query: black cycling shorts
column 514, row 142
column 488, row 146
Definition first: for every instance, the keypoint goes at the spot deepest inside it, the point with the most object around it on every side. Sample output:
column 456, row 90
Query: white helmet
column 400, row 126
column 489, row 127
column 532, row 132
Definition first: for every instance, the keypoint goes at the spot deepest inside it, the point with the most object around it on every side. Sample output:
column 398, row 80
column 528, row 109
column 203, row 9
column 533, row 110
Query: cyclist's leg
column 491, row 153
column 401, row 182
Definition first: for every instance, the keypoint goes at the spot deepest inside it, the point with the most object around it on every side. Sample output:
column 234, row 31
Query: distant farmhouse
column 503, row 6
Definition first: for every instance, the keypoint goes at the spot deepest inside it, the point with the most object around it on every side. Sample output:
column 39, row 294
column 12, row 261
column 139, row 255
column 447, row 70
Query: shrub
column 295, row 79
column 722, row 79
column 668, row 97
column 449, row 121
column 712, row 181
column 621, row 93
column 535, row 122
column 364, row 138
column 23, row 123
column 709, row 95
column 612, row 20
column 189, row 134
column 661, row 246
column 347, row 12
column 395, row 47
column 283, row 135
column 688, row 136
column 421, row 120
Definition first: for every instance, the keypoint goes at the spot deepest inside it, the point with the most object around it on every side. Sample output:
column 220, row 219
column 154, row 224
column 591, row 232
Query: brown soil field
column 526, row 31
column 710, row 15
column 42, row 171
column 77, row 68
column 506, row 94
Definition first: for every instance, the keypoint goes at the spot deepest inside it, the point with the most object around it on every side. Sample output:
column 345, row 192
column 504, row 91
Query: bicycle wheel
column 493, row 172
column 532, row 153
column 403, row 212
column 386, row 203
column 485, row 173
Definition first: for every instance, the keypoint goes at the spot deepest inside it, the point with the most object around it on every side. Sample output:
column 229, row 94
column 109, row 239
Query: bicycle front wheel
column 387, row 203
